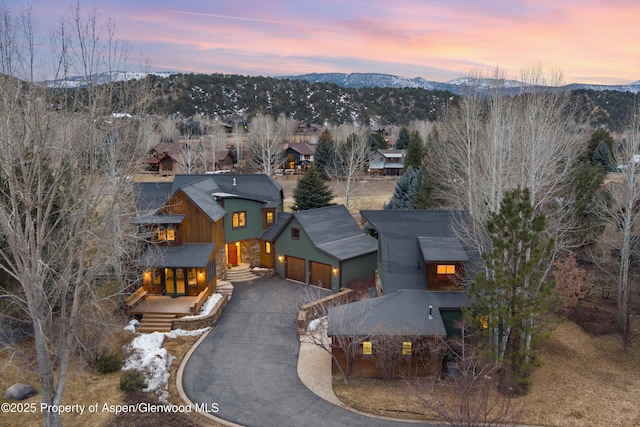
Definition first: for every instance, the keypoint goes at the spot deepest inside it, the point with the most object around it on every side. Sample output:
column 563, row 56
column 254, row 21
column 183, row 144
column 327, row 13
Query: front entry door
column 174, row 280
column 232, row 253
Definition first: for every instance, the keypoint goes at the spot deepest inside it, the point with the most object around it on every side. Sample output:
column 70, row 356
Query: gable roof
column 302, row 148
column 333, row 230
column 403, row 312
column 205, row 191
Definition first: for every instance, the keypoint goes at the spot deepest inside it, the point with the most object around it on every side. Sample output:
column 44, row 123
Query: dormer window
column 446, row 269
column 270, row 215
column 166, row 234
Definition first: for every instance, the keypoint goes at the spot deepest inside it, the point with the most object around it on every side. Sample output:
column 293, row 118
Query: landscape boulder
column 19, row 391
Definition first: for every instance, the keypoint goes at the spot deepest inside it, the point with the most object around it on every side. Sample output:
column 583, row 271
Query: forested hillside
column 232, row 97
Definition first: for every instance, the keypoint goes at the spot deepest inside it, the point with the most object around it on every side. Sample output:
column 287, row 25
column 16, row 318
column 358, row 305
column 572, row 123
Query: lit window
column 267, row 247
column 295, row 233
column 162, row 235
column 446, row 269
column 171, row 235
column 238, row 219
column 367, row 348
column 406, row 348
column 269, row 217
column 484, row 322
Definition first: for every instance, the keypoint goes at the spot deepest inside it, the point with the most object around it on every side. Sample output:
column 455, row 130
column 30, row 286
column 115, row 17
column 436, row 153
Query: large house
column 199, row 225
column 421, row 267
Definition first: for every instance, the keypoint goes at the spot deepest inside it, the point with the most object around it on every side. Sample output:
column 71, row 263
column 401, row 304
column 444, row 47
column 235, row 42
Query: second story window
column 270, row 217
column 446, row 269
column 239, row 219
column 295, row 233
column 166, row 234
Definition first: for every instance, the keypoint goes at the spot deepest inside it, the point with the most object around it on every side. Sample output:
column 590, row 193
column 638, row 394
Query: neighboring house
column 165, row 159
column 198, row 225
column 299, row 155
column 422, row 267
column 323, row 247
column 387, row 162
column 224, row 160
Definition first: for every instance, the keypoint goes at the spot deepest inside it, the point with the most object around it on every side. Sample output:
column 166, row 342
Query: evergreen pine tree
column 406, row 187
column 325, row 153
column 598, row 136
column 403, row 138
column 424, row 198
column 602, row 156
column 311, row 192
column 510, row 300
column 415, row 152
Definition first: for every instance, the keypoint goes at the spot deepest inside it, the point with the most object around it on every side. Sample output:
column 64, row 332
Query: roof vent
column 430, row 312
column 234, row 182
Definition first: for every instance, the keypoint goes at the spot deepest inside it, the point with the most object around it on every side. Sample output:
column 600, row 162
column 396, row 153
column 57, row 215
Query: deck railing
column 135, row 298
column 197, row 304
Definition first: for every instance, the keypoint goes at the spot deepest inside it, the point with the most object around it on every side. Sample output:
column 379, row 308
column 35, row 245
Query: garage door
column 320, row 274
column 294, row 269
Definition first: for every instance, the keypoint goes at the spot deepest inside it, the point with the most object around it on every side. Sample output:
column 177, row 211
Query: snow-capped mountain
column 101, row 78
column 360, row 80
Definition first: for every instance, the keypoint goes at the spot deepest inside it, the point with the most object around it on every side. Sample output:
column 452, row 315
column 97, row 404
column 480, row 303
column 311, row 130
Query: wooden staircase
column 154, row 322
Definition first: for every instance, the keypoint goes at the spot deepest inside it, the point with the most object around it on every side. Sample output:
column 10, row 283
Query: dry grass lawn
column 583, row 381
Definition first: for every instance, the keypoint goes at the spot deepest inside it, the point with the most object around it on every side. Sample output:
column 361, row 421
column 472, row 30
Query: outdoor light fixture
column 281, row 258
column 335, row 271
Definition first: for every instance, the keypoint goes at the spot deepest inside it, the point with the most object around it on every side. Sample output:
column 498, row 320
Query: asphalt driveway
column 247, row 364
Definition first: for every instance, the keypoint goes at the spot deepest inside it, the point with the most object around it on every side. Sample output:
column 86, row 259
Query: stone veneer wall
column 250, row 251
column 221, row 264
column 209, row 321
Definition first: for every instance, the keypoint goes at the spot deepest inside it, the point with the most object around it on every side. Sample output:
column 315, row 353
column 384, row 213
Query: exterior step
column 156, row 323
column 240, row 274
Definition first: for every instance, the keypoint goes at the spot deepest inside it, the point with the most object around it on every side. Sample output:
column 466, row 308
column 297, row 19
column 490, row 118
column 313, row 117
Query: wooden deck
column 160, row 304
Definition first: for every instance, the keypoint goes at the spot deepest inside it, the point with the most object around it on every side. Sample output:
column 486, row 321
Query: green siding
column 302, row 248
column 253, row 219
column 358, row 268
column 449, row 318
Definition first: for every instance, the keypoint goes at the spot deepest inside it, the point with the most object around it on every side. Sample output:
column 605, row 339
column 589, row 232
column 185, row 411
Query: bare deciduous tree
column 350, row 167
column 620, row 208
column 267, row 138
column 469, row 398
column 63, row 173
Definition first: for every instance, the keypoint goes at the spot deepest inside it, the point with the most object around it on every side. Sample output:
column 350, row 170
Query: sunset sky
column 589, row 41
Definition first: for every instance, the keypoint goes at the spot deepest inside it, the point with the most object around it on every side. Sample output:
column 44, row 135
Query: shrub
column 132, row 381
column 108, row 363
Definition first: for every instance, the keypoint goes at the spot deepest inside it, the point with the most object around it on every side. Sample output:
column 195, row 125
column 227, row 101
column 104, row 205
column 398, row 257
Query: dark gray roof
column 350, row 247
column 251, row 186
column 272, row 232
column 401, row 255
column 188, row 255
column 150, row 196
column 159, row 219
column 201, row 189
column 333, row 230
column 442, row 249
column 201, row 194
column 404, row 312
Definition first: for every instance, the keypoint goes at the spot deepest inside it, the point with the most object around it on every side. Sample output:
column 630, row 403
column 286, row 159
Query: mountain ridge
column 457, row 86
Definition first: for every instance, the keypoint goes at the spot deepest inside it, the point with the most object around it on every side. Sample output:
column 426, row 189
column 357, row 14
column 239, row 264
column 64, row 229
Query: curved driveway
column 247, row 364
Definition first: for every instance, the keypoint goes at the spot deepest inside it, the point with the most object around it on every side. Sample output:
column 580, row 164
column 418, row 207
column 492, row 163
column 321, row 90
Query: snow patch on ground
column 206, row 307
column 315, row 324
column 131, row 326
column 146, row 354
